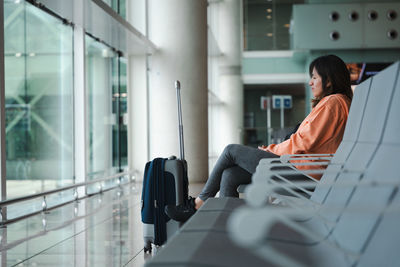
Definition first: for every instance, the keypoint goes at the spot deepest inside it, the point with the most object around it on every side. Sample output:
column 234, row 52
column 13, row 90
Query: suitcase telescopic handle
column 178, row 96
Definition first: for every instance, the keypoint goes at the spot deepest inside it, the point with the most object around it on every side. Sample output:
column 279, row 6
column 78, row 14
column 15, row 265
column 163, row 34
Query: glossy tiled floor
column 103, row 230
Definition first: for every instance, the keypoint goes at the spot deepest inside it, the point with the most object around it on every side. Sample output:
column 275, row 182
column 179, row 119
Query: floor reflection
column 103, row 230
column 98, row 231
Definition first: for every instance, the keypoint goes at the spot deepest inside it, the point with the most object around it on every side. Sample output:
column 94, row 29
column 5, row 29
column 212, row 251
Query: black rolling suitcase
column 165, row 182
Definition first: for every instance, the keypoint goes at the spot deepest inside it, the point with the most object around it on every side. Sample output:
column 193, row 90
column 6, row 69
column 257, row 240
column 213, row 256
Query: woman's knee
column 231, row 148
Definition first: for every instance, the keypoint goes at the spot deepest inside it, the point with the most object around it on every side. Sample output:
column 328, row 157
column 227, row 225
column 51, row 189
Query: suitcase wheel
column 147, row 247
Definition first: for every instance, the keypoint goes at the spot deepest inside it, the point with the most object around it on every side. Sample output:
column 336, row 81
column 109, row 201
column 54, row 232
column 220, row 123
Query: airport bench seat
column 204, row 241
column 354, row 225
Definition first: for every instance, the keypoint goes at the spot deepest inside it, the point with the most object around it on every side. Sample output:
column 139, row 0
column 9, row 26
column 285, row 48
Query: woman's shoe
column 183, row 212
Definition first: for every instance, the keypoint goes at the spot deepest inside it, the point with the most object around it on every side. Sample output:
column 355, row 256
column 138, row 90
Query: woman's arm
column 320, row 132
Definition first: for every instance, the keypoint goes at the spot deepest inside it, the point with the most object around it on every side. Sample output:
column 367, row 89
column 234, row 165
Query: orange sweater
column 320, row 132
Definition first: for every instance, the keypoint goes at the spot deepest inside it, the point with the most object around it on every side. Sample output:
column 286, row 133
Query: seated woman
column 320, row 132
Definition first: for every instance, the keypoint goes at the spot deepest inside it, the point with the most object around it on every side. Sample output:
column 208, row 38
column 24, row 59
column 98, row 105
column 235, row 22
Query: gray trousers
column 234, row 167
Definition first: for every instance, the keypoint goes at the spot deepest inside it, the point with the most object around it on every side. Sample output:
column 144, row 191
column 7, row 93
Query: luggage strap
column 160, row 226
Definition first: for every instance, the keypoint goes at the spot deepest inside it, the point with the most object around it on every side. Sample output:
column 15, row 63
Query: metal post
column 3, row 192
column 282, row 113
column 178, row 97
column 269, row 128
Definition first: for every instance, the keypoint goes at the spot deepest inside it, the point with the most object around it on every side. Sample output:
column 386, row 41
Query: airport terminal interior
column 88, row 97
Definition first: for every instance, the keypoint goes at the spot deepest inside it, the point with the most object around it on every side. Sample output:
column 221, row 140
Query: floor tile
column 102, row 230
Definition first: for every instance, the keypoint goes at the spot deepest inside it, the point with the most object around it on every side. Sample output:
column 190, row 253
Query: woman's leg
column 231, row 179
column 245, row 157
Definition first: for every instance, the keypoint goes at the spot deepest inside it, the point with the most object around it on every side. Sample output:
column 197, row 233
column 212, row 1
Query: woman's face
column 316, row 84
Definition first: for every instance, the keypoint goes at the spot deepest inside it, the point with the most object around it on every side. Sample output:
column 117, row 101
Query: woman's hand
column 263, row 147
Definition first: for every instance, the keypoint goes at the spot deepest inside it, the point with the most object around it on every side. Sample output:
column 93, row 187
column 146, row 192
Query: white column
column 179, row 29
column 80, row 126
column 80, row 103
column 230, row 81
column 137, row 79
column 138, row 115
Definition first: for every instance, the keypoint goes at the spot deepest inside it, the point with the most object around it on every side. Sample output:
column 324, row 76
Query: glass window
column 118, row 6
column 106, row 79
column 100, row 62
column 267, row 23
column 39, row 100
column 102, row 112
column 122, row 8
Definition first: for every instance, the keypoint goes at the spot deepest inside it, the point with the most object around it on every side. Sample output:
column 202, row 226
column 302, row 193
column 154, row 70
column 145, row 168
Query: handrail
column 15, row 243
column 8, row 202
column 28, row 197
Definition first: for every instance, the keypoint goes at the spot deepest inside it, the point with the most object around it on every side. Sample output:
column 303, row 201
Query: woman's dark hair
column 333, row 71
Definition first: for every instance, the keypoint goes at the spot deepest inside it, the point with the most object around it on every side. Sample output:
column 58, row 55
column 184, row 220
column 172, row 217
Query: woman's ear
column 329, row 87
